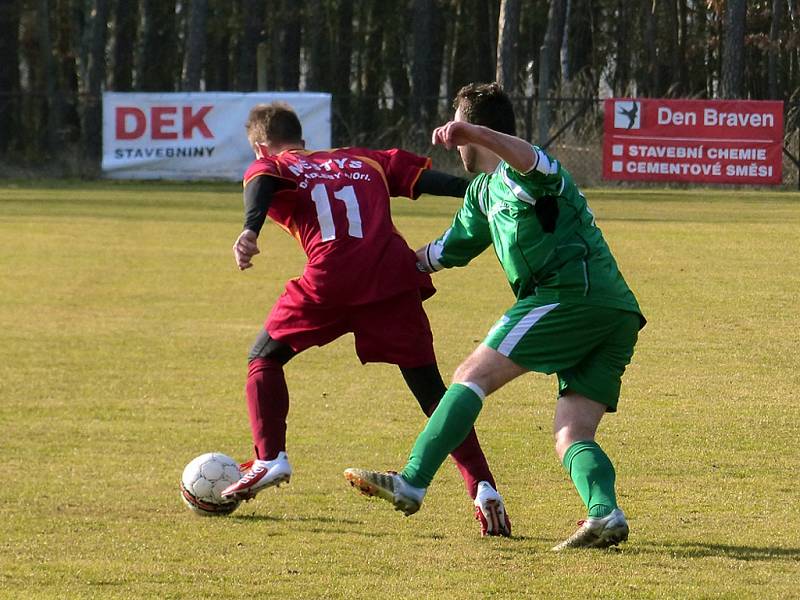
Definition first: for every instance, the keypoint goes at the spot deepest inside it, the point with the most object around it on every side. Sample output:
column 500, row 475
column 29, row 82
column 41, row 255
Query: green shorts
column 588, row 347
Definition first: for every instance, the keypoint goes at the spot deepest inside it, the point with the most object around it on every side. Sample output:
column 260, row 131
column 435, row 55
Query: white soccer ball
column 204, row 479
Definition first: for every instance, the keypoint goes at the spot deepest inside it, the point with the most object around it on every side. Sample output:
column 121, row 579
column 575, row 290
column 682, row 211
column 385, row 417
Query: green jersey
column 555, row 252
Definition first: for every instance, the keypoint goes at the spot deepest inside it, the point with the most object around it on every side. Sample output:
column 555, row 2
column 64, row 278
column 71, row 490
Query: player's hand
column 245, row 248
column 423, row 263
column 452, row 133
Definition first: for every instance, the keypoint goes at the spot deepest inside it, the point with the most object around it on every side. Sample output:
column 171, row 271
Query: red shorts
column 395, row 330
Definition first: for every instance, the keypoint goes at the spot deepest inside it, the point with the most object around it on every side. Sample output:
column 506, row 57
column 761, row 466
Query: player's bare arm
column 515, row 151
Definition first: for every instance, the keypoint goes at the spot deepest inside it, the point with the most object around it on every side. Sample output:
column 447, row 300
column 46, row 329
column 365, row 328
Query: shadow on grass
column 294, row 519
column 702, row 550
column 349, row 526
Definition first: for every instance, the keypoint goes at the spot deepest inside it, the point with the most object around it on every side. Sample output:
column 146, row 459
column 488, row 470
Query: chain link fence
column 575, row 136
column 34, row 142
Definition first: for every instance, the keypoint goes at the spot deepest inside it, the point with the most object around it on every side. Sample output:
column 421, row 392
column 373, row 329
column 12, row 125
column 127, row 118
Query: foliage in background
column 391, row 66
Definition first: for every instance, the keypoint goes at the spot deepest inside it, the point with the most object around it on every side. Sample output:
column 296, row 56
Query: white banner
column 197, row 135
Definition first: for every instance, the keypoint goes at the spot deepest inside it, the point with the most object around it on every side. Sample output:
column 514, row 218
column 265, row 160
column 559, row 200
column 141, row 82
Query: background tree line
column 392, row 66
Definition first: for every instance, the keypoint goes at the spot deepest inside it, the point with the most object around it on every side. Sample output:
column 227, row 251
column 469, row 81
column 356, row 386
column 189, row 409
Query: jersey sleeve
column 266, row 166
column 257, row 199
column 545, row 178
column 402, row 170
column 467, row 237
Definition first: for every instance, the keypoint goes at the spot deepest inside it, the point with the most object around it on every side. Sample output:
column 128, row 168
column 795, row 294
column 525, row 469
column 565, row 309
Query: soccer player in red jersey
column 361, row 277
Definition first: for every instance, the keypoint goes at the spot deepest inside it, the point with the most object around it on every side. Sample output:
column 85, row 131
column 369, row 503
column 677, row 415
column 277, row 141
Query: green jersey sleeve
column 467, row 237
column 546, row 177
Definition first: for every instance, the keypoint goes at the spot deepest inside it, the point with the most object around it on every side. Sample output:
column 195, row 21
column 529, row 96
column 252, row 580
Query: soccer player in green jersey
column 574, row 314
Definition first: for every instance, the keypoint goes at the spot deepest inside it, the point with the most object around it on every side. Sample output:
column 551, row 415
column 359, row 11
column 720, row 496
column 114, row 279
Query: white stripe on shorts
column 522, row 327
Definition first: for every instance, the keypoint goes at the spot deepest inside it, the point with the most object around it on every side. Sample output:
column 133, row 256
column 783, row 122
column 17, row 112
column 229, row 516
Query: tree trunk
column 532, row 31
column 793, row 77
column 340, row 84
column 579, row 40
column 95, row 44
column 564, row 48
column 396, row 59
column 485, row 21
column 548, row 64
column 508, row 33
column 462, row 64
column 473, row 59
column 67, row 77
column 318, row 46
column 218, row 56
column 622, row 73
column 733, row 49
column 649, row 73
column 373, row 75
column 774, row 64
column 9, row 75
column 437, row 44
column 194, row 55
column 123, row 44
column 251, row 18
column 292, row 43
column 156, row 56
column 683, row 33
column 423, row 84
column 52, row 106
column 670, row 64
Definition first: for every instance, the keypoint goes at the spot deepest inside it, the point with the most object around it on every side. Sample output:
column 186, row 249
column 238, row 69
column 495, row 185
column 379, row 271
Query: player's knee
column 426, row 384
column 463, row 372
column 567, row 433
column 488, row 369
column 472, row 369
column 563, row 438
column 267, row 348
column 478, row 373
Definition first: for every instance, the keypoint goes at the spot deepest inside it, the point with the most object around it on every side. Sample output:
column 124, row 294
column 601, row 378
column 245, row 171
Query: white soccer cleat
column 262, row 474
column 491, row 512
column 389, row 486
column 598, row 532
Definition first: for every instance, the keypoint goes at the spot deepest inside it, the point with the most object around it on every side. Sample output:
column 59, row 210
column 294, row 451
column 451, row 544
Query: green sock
column 593, row 475
column 448, row 426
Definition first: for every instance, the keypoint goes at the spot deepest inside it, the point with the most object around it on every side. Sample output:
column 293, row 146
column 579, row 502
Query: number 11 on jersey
column 322, row 202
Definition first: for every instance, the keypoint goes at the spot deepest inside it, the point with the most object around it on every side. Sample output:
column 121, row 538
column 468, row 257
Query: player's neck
column 287, row 147
column 263, row 150
column 487, row 162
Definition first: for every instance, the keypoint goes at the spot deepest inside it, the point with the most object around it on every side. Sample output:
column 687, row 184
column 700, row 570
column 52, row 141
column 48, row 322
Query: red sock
column 268, row 406
column 471, row 461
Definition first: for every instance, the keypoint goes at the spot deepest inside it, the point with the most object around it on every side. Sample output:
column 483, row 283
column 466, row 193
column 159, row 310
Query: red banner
column 699, row 141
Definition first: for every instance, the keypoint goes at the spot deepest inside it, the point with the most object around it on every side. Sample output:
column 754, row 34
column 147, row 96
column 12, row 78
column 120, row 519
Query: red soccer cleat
column 491, row 512
column 262, row 474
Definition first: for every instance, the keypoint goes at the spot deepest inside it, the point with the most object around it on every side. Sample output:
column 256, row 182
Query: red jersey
column 336, row 204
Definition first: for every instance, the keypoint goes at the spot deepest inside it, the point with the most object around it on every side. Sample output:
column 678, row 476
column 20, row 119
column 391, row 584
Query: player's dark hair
column 274, row 123
column 488, row 105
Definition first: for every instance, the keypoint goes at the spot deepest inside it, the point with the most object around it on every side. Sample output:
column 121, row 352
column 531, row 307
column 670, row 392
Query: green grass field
column 125, row 328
